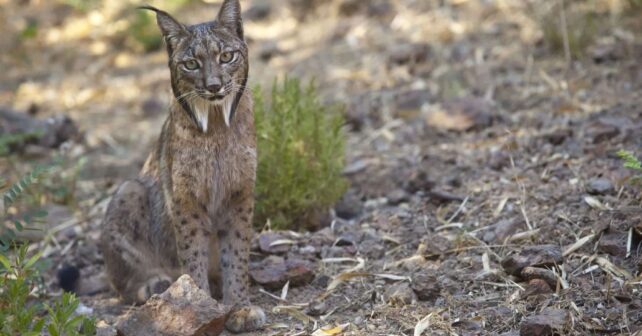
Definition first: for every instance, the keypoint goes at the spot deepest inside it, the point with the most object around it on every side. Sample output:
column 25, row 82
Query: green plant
column 14, row 139
column 580, row 30
column 300, row 156
column 21, row 313
column 632, row 162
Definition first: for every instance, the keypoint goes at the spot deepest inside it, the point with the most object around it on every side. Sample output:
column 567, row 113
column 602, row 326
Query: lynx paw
column 246, row 319
column 155, row 285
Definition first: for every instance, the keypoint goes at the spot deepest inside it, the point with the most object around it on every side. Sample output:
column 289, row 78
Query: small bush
column 21, row 309
column 300, row 156
column 632, row 162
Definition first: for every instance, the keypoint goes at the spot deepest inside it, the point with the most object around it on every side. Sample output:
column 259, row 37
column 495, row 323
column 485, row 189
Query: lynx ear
column 170, row 28
column 229, row 16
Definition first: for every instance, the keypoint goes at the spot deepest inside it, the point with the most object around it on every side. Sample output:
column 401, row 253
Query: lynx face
column 208, row 63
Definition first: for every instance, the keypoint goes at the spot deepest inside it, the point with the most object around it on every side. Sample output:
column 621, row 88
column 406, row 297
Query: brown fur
column 190, row 209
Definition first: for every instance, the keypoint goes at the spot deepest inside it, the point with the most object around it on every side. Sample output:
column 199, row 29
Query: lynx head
column 208, row 62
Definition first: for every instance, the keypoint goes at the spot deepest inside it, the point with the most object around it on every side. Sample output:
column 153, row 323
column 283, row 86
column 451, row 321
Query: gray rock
column 182, row 310
column 549, row 322
column 534, row 256
column 400, row 294
column 599, row 186
column 273, row 272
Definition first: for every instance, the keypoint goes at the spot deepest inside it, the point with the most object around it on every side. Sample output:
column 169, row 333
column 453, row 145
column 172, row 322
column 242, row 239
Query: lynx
column 190, row 209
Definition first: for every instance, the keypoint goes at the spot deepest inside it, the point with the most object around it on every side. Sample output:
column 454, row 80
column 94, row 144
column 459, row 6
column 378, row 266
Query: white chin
column 201, row 110
column 226, row 108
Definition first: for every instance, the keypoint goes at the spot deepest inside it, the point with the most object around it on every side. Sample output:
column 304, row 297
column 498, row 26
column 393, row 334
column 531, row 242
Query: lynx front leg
column 234, row 240
column 191, row 228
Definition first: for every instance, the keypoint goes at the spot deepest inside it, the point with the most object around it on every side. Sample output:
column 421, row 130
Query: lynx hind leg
column 131, row 268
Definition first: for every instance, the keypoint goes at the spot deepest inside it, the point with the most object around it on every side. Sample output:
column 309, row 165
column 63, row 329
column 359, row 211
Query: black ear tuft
column 229, row 16
column 170, row 28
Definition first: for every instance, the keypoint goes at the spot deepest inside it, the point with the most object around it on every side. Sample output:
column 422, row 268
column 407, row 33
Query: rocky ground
column 486, row 197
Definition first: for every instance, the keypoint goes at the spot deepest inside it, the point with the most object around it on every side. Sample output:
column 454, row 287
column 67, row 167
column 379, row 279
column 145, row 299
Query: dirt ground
column 470, row 139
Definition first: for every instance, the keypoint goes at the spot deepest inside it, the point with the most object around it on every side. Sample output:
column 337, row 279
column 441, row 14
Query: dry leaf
column 330, row 330
column 422, row 325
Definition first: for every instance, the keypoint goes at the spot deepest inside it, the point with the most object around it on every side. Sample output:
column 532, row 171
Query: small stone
column 346, row 239
column 535, row 256
column 537, row 287
column 349, row 206
column 613, row 243
column 409, row 53
column 549, row 322
column 530, row 273
column 426, row 286
column 273, row 272
column 599, row 186
column 463, row 114
column 316, row 308
column 400, row 294
column 503, row 229
column 397, row 197
column 182, row 310
column 275, row 242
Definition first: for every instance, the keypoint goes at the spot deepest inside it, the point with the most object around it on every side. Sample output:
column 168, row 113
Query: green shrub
column 21, row 309
column 632, row 162
column 581, row 27
column 300, row 156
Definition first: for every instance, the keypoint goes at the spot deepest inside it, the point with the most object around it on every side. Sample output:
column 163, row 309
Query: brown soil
column 469, row 139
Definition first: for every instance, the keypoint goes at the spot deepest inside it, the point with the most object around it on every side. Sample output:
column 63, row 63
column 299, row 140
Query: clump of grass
column 300, row 156
column 580, row 30
column 21, row 309
column 632, row 162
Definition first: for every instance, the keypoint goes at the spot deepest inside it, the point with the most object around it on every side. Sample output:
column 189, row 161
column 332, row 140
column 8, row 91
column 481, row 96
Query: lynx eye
column 226, row 57
column 191, row 65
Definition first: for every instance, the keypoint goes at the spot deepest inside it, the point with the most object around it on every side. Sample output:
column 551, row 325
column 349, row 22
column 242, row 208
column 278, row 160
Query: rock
column 259, row 10
column 599, row 186
column 531, row 273
column 613, row 243
column 409, row 53
column 400, row 294
column 537, row 287
column 419, row 181
column 440, row 196
column 104, row 329
column 409, row 103
column 463, row 114
column 426, row 287
column 347, row 239
column 433, row 246
column 502, row 230
column 274, row 242
column 182, row 310
column 549, row 322
column 316, row 308
column 50, row 132
column 499, row 160
column 268, row 49
column 349, row 206
column 535, row 256
column 273, row 272
column 397, row 197
column 557, row 137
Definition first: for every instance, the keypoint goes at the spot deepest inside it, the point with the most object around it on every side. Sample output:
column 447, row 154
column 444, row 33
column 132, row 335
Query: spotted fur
column 190, row 209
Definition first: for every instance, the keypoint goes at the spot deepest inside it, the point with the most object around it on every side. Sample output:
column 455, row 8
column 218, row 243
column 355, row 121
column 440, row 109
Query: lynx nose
column 213, row 85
